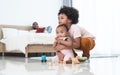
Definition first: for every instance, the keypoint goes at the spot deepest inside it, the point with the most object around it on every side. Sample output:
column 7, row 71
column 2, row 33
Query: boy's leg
column 55, row 59
column 68, row 56
column 86, row 44
column 60, row 56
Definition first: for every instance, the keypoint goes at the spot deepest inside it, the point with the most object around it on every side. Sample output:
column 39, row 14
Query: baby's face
column 61, row 32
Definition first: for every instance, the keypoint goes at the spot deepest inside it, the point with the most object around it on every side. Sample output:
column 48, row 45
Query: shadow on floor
column 29, row 55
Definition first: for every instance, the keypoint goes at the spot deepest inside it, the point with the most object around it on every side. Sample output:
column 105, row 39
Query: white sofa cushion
column 9, row 32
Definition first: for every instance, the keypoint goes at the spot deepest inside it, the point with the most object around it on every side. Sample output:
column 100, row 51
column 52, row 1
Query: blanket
column 24, row 38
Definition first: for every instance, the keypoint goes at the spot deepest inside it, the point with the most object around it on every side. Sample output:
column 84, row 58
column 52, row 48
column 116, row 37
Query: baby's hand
column 58, row 41
column 57, row 37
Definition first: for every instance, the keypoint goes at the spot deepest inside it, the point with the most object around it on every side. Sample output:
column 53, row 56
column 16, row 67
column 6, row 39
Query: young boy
column 35, row 25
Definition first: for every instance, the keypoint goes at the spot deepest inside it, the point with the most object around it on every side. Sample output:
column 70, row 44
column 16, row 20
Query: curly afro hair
column 70, row 12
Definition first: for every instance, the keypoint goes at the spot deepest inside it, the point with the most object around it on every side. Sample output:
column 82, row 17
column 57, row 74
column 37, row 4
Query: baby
column 63, row 39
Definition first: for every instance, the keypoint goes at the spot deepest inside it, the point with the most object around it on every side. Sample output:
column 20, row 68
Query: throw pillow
column 40, row 30
column 9, row 32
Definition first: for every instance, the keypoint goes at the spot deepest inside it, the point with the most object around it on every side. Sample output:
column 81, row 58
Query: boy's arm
column 68, row 44
column 60, row 47
column 65, row 44
column 57, row 46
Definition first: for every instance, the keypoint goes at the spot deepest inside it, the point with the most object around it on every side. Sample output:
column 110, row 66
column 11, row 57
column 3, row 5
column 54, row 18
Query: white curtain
column 67, row 3
column 102, row 19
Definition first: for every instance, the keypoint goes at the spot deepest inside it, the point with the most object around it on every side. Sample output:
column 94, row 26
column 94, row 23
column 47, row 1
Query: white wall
column 102, row 18
column 25, row 12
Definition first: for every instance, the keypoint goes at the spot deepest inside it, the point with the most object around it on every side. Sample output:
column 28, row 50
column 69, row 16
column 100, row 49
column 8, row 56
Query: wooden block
column 64, row 62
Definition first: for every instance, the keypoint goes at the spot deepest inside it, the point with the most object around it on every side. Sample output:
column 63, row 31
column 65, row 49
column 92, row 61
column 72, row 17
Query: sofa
column 30, row 48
